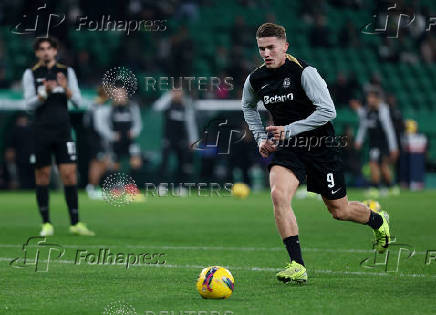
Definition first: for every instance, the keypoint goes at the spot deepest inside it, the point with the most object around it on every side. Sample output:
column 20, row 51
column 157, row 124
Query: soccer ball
column 373, row 205
column 240, row 190
column 215, row 282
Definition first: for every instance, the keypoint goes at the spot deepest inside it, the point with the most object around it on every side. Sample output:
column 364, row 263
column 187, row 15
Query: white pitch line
column 269, row 269
column 273, row 249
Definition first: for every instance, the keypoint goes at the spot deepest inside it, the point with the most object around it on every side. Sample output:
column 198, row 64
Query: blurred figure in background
column 180, row 131
column 414, row 157
column 48, row 86
column 351, row 157
column 375, row 121
column 342, row 90
column 243, row 153
column 19, row 155
column 374, row 84
column 398, row 122
column 120, row 124
column 349, row 35
column 98, row 161
column 320, row 32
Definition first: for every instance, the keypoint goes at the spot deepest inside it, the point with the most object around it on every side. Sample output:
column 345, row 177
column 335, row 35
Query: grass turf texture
column 201, row 231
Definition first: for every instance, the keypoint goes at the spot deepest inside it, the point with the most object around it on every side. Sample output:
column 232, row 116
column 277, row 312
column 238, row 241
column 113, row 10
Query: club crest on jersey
column 286, row 83
column 277, row 98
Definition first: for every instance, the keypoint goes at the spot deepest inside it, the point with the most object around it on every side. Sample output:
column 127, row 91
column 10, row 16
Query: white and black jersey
column 377, row 124
column 120, row 125
column 53, row 112
column 51, row 122
column 298, row 99
column 295, row 95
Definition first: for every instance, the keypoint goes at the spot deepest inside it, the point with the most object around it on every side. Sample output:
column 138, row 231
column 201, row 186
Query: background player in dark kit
column 376, row 122
column 120, row 124
column 48, row 86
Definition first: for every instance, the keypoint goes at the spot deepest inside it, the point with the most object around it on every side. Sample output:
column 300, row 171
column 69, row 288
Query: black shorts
column 55, row 141
column 96, row 146
column 323, row 168
column 124, row 149
column 378, row 153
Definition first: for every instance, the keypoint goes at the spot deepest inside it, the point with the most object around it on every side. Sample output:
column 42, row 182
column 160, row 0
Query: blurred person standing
column 180, row 131
column 399, row 127
column 48, row 86
column 375, row 121
column 120, row 124
column 19, row 155
column 243, row 153
column 97, row 147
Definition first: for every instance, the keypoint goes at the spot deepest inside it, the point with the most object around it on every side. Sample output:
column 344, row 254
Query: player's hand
column 117, row 136
column 355, row 104
column 62, row 80
column 49, row 85
column 277, row 131
column 266, row 147
column 393, row 156
column 357, row 146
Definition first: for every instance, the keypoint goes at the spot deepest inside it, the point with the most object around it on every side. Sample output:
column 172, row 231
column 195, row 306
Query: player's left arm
column 71, row 86
column 317, row 91
column 388, row 127
column 137, row 123
column 190, row 121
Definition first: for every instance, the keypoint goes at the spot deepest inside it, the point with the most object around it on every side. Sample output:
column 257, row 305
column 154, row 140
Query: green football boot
column 293, row 272
column 81, row 229
column 47, row 230
column 382, row 234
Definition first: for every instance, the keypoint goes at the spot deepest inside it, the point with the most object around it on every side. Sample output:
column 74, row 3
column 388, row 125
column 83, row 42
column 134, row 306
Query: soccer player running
column 300, row 104
column 47, row 88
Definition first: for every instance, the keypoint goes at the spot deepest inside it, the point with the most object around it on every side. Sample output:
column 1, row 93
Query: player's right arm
column 388, row 128
column 31, row 98
column 252, row 117
column 163, row 103
column 363, row 127
column 137, row 122
column 103, row 125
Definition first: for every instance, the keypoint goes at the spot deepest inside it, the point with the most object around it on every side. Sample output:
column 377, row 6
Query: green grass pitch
column 195, row 232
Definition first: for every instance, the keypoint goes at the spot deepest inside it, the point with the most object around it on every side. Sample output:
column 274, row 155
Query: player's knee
column 69, row 177
column 42, row 177
column 279, row 196
column 338, row 214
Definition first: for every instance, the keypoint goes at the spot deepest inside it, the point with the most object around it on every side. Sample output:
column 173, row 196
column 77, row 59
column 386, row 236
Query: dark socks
column 375, row 220
column 292, row 244
column 72, row 202
column 42, row 200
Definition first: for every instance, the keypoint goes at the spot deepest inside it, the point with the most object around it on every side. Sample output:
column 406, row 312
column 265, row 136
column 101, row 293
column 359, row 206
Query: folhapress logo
column 38, row 253
column 277, row 98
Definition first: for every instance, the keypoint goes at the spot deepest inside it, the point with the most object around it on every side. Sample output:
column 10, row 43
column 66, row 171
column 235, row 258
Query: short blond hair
column 271, row 30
